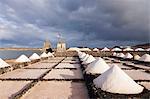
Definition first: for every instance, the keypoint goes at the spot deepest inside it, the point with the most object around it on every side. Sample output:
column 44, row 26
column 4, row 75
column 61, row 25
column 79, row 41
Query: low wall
column 98, row 54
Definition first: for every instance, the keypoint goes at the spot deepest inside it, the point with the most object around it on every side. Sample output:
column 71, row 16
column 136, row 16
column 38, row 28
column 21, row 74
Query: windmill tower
column 46, row 44
column 61, row 45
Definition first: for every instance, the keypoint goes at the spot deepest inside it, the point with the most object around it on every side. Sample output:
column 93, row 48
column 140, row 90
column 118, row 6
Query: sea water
column 13, row 54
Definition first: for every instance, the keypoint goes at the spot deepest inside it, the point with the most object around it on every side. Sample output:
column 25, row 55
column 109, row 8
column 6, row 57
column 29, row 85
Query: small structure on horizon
column 61, row 45
column 46, row 46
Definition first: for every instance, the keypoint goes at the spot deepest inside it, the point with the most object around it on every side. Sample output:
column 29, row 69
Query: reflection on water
column 10, row 54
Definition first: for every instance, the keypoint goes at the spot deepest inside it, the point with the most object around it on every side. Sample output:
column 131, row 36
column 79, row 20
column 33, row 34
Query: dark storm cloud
column 94, row 22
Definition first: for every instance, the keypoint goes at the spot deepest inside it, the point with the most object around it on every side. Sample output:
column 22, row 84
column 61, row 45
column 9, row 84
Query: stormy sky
column 91, row 23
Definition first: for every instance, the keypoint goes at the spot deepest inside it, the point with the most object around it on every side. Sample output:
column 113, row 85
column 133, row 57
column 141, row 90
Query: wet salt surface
column 64, row 74
column 9, row 88
column 42, row 65
column 145, row 84
column 57, row 90
column 23, row 74
column 137, row 74
column 67, row 65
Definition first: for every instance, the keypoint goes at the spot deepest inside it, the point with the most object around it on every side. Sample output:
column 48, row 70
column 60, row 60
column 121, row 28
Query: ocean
column 13, row 54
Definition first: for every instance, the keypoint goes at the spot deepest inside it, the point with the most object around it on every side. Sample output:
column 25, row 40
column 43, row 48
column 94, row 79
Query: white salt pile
column 128, row 56
column 116, row 80
column 97, row 67
column 43, row 55
column 82, row 55
column 85, row 58
column 116, row 49
column 96, row 49
column 3, row 63
column 34, row 56
column 145, row 58
column 23, row 58
column 85, row 49
column 89, row 60
column 148, row 49
column 105, row 49
column 139, row 49
column 128, row 49
column 50, row 54
column 114, row 54
column 136, row 57
column 121, row 55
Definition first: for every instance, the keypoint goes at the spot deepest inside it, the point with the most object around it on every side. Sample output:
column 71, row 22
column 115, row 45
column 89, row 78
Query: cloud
column 97, row 22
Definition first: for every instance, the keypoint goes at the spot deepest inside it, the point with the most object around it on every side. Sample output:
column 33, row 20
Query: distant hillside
column 146, row 45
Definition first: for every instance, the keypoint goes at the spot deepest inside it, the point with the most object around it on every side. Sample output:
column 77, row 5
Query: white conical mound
column 34, row 56
column 145, row 58
column 23, row 58
column 50, row 54
column 82, row 55
column 139, row 49
column 97, row 67
column 116, row 80
column 3, row 63
column 105, row 49
column 121, row 55
column 116, row 49
column 43, row 55
column 114, row 54
column 85, row 57
column 137, row 57
column 128, row 49
column 89, row 60
column 128, row 56
column 96, row 49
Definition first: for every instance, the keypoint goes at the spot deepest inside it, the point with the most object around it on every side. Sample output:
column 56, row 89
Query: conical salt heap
column 34, row 56
column 23, row 58
column 145, row 58
column 116, row 80
column 121, row 55
column 85, row 57
column 82, row 55
column 50, row 54
column 128, row 56
column 3, row 63
column 137, row 57
column 89, row 60
column 96, row 49
column 105, row 49
column 43, row 55
column 97, row 67
column 114, row 54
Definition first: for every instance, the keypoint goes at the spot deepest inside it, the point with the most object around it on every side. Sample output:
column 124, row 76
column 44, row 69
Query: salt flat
column 138, row 75
column 23, row 74
column 64, row 74
column 42, row 65
column 145, row 84
column 57, row 90
column 67, row 65
column 120, row 65
column 10, row 88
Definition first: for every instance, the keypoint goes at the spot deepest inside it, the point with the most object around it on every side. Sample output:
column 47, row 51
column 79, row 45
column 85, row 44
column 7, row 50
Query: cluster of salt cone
column 111, row 79
column 34, row 56
column 144, row 58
